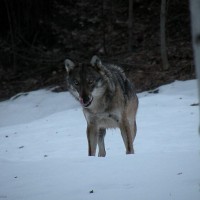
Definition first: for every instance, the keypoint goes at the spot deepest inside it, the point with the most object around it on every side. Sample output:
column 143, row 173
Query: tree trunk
column 130, row 26
column 163, row 36
column 195, row 21
column 12, row 35
column 104, row 28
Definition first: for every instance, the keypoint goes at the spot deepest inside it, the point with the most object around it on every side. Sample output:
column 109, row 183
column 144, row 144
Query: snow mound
column 43, row 149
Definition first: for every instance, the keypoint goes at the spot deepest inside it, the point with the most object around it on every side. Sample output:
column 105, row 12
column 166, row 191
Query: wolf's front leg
column 101, row 135
column 92, row 136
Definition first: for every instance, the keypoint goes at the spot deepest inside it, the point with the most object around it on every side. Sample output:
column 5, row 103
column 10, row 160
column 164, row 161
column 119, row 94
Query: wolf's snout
column 85, row 101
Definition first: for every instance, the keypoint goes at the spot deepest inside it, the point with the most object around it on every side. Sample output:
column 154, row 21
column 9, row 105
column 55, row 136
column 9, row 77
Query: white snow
column 43, row 149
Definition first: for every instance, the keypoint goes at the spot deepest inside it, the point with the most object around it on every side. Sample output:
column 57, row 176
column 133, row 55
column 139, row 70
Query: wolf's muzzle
column 85, row 102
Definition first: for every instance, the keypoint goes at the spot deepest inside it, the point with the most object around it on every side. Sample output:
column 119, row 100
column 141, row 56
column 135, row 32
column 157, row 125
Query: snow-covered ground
column 43, row 150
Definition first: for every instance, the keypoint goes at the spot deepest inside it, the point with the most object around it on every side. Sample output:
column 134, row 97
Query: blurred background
column 36, row 36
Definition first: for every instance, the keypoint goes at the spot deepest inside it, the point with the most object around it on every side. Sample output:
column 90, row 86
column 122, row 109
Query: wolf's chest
column 104, row 120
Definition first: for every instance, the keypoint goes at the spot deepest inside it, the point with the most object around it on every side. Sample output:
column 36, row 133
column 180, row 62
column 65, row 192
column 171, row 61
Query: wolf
column 108, row 100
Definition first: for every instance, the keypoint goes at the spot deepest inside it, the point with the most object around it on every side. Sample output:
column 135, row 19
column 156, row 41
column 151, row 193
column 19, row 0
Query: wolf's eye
column 75, row 82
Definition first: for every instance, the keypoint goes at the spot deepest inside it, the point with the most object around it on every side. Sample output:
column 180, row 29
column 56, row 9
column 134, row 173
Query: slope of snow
column 43, row 149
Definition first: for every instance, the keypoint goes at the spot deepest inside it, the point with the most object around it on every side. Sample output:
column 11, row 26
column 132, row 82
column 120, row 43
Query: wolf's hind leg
column 101, row 144
column 127, row 136
column 133, row 130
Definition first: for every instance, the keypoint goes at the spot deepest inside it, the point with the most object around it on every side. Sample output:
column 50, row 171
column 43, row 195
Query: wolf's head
column 85, row 81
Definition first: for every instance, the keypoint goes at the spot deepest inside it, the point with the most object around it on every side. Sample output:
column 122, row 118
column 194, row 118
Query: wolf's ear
column 95, row 61
column 69, row 65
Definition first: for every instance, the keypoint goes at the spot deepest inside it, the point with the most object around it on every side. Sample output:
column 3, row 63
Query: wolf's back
column 116, row 76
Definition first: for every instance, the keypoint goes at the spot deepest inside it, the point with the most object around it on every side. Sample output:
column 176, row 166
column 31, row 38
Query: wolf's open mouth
column 88, row 103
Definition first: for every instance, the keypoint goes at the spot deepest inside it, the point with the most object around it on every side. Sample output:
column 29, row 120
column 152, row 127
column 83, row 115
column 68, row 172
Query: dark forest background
column 36, row 36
